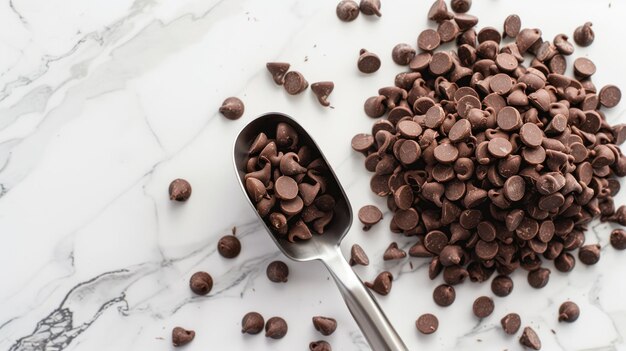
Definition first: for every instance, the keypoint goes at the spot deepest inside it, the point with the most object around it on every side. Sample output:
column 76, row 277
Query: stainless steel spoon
column 366, row 312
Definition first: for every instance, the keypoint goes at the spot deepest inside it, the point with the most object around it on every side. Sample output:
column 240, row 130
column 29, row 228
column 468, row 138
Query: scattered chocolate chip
column 179, row 190
column 427, row 323
column 275, row 328
column 460, row 6
column 278, row 71
column 584, row 35
column 568, row 312
column 295, row 83
column 324, row 325
column 322, row 90
column 512, row 26
column 589, row 254
column 347, row 10
column 618, row 239
column 277, row 272
column 252, row 323
column 402, row 54
column 370, row 7
column 368, row 62
column 483, row 307
column 539, row 278
column 369, row 215
column 382, row 283
column 393, row 252
column 530, row 339
column 502, row 285
column 232, row 108
column 319, row 345
column 428, row 40
column 358, row 256
column 444, row 295
column 201, row 283
column 181, row 336
column 229, row 246
column 511, row 323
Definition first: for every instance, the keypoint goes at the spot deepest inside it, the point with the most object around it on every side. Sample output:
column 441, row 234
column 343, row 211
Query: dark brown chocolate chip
column 402, row 54
column 232, row 108
column 181, row 336
column 319, row 345
column 179, row 190
column 565, row 262
column 483, row 307
column 295, row 83
column 370, row 215
column 428, row 40
column 374, row 106
column 435, row 241
column 275, row 328
column 589, row 254
column 502, row 285
column 278, row 71
column 358, row 256
column 406, row 219
column 584, row 35
column 370, row 7
column 347, row 10
column 610, row 95
column 393, row 252
column 511, row 323
column 451, row 255
column 368, row 62
column 460, row 6
column 444, row 295
column 252, row 323
column 277, row 272
column 229, row 246
column 584, row 67
column 322, row 90
column 427, row 323
column 530, row 339
column 512, row 26
column 568, row 312
column 201, row 283
column 324, row 325
column 618, row 239
column 382, row 283
column 539, row 278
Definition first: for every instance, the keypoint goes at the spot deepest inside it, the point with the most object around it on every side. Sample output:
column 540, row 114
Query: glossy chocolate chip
column 276, row 328
column 382, row 283
column 483, row 307
column 539, row 278
column 568, row 312
column 277, row 272
column 201, row 283
column 229, row 246
column 511, row 323
column 252, row 323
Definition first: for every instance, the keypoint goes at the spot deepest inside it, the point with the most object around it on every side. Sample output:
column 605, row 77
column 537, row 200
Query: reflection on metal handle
column 366, row 312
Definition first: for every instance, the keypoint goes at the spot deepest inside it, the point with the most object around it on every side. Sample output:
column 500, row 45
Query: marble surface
column 103, row 103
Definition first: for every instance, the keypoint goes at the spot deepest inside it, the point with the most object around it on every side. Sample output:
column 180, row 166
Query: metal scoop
column 379, row 333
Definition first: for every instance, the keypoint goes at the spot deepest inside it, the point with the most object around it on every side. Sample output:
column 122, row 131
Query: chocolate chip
column 502, row 285
column 438, row 11
column 538, row 278
column 232, row 108
column 530, row 339
column 358, row 256
column 483, row 307
column 618, row 239
column 278, row 71
column 229, row 246
column 347, row 10
column 381, row 284
column 295, row 83
column 370, row 7
column 322, row 90
column 568, row 312
column 252, row 323
column 565, row 262
column 179, row 190
column 610, row 95
column 584, row 67
column 275, row 328
column 428, row 40
column 319, row 345
column 444, row 295
column 512, row 26
column 370, row 215
column 427, row 323
column 584, row 35
column 435, row 241
column 182, row 336
column 511, row 323
column 531, row 135
column 563, row 45
column 374, row 106
column 402, row 54
column 589, row 254
column 201, row 283
column 368, row 62
column 460, row 6
column 393, row 252
column 277, row 272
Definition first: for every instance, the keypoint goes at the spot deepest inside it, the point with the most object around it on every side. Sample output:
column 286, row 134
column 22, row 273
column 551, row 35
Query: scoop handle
column 374, row 325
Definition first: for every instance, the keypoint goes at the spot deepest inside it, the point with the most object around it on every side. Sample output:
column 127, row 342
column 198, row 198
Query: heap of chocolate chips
column 491, row 164
column 287, row 182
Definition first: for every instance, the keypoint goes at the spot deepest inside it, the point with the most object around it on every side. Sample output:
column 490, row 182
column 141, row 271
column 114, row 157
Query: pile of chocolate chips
column 287, row 182
column 490, row 164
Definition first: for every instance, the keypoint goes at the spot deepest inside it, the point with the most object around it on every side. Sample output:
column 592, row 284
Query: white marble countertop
column 103, row 103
